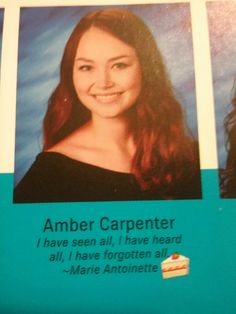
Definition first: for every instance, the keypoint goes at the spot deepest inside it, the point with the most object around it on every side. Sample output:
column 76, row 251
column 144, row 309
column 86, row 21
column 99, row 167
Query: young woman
column 228, row 175
column 113, row 129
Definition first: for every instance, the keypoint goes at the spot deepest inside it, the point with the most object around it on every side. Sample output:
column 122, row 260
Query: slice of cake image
column 174, row 266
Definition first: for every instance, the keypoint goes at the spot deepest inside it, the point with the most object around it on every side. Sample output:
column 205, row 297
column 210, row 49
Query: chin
column 111, row 115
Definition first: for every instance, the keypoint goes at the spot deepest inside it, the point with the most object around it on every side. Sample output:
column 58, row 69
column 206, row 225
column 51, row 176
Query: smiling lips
column 107, row 98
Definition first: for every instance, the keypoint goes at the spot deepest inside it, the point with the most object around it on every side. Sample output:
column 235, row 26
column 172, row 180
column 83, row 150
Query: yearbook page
column 117, row 156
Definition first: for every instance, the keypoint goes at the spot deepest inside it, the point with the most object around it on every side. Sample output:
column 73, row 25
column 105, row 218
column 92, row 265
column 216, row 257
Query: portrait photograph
column 222, row 32
column 106, row 105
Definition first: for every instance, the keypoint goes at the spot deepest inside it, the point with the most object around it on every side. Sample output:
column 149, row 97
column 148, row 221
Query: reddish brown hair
column 228, row 175
column 164, row 150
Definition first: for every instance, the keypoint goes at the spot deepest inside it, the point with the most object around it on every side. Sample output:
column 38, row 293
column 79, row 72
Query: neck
column 114, row 133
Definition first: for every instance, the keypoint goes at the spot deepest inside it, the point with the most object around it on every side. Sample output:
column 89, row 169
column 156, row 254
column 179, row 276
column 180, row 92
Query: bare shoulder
column 78, row 145
column 82, row 145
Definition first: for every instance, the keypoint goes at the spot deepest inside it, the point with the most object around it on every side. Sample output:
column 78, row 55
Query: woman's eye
column 85, row 68
column 120, row 65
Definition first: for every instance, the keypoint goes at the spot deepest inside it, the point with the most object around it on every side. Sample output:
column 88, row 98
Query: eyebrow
column 112, row 59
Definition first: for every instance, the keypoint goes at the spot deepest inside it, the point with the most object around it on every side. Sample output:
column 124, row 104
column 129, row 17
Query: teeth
column 107, row 98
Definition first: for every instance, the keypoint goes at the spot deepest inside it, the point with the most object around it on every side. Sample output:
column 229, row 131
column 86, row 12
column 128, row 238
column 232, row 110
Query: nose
column 104, row 79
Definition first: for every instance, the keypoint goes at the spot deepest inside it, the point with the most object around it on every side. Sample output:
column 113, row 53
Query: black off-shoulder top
column 54, row 177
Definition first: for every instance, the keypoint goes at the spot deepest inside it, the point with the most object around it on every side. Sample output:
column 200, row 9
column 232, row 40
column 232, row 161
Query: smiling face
column 106, row 74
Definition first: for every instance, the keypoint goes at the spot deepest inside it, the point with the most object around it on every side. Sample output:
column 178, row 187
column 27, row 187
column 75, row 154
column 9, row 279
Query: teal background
column 30, row 284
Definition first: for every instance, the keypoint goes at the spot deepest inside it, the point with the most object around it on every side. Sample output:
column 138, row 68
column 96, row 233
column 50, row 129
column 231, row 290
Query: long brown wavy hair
column 165, row 152
column 228, row 175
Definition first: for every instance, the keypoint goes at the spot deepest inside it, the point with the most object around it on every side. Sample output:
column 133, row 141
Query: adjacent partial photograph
column 222, row 31
column 106, row 106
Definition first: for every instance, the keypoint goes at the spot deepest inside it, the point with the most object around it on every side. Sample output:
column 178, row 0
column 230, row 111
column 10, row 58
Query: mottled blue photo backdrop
column 222, row 31
column 42, row 36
